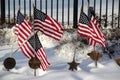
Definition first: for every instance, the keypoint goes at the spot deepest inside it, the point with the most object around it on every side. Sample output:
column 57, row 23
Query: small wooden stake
column 34, row 72
column 96, row 63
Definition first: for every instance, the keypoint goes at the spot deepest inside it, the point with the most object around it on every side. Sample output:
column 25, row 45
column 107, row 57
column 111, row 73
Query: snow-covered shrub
column 70, row 44
column 112, row 34
column 69, row 35
column 7, row 36
column 2, row 36
column 116, row 33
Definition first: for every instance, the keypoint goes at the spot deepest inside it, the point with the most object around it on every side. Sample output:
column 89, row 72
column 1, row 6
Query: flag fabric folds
column 29, row 44
column 47, row 25
column 23, row 31
column 88, row 29
column 96, row 27
column 39, row 52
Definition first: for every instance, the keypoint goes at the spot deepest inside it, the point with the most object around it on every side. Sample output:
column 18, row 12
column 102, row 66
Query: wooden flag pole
column 11, row 53
column 10, row 62
column 34, row 30
column 34, row 72
column 12, row 47
column 18, row 7
column 34, row 39
column 88, row 6
column 96, row 63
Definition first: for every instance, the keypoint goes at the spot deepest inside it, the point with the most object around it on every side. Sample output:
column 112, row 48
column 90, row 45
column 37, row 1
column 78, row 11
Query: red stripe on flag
column 49, row 26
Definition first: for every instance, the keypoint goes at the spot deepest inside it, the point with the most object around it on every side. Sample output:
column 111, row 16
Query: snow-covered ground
column 58, row 57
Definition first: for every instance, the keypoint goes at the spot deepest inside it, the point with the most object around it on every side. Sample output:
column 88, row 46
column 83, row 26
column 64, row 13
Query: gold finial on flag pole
column 18, row 7
column 88, row 3
column 81, row 9
column 33, row 5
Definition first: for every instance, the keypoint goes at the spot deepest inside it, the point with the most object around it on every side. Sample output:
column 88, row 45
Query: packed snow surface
column 59, row 57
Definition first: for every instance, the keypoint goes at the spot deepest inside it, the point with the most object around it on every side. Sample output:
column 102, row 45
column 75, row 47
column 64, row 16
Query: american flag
column 96, row 27
column 23, row 31
column 25, row 41
column 39, row 52
column 86, row 28
column 47, row 25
